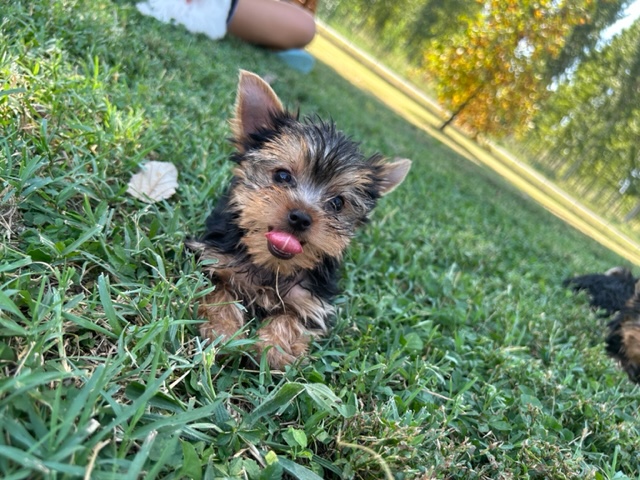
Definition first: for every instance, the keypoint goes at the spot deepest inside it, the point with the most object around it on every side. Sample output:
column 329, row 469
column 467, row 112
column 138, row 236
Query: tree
column 585, row 36
column 436, row 19
column 591, row 124
column 400, row 26
column 494, row 74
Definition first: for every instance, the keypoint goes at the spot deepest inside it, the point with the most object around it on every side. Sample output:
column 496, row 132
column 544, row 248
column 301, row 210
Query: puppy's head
column 301, row 188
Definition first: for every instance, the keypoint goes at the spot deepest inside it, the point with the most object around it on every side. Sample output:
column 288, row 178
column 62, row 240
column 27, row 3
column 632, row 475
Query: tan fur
column 271, row 299
column 286, row 337
column 269, row 212
column 308, row 307
column 394, row 174
column 224, row 317
column 254, row 95
column 631, row 341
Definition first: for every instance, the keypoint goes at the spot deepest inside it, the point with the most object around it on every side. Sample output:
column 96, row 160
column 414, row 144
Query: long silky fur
column 223, row 235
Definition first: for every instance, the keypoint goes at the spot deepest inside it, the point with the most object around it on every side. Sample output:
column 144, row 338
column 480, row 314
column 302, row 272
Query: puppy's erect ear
column 392, row 174
column 256, row 104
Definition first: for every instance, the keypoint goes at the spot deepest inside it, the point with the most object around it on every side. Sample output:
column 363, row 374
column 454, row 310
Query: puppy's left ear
column 392, row 174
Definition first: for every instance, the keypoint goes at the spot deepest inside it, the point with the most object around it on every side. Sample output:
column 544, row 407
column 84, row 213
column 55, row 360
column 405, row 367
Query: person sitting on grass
column 278, row 25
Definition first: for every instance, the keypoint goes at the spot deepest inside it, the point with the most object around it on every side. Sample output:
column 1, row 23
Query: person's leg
column 272, row 23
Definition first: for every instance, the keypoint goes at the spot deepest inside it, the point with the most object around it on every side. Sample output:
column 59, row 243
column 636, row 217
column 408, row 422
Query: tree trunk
column 458, row 111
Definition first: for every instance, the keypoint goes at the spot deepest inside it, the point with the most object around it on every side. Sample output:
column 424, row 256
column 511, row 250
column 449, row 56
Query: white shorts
column 198, row 16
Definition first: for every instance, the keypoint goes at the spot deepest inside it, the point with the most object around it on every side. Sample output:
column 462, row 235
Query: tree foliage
column 591, row 125
column 405, row 26
column 586, row 35
column 494, row 73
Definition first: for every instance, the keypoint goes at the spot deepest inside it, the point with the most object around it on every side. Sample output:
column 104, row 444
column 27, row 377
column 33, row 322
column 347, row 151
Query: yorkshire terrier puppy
column 623, row 340
column 275, row 240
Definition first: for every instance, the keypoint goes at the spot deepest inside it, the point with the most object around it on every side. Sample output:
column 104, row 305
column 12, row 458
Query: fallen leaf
column 156, row 181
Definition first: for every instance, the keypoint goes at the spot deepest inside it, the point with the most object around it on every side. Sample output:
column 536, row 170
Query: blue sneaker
column 298, row 59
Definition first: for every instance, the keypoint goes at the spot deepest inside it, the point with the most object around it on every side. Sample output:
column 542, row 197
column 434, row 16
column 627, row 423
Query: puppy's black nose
column 299, row 220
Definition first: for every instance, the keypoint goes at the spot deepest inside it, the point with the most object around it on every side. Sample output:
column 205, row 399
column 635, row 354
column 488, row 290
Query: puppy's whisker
column 284, row 307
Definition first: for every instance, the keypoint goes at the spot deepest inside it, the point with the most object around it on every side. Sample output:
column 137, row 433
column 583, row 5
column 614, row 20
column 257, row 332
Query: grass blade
column 298, row 471
column 178, row 422
column 8, row 267
column 278, row 400
column 7, row 305
column 107, row 304
column 135, row 469
column 23, row 458
column 73, row 246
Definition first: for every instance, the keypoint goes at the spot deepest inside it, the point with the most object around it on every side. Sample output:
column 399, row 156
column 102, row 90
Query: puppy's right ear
column 256, row 106
column 393, row 174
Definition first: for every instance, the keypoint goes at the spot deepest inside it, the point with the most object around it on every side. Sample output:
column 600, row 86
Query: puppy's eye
column 335, row 204
column 282, row 176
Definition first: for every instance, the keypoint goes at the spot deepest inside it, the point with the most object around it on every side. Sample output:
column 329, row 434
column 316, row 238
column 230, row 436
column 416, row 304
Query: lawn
column 456, row 352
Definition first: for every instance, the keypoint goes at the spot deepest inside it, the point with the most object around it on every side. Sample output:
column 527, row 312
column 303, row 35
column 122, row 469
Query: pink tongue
column 285, row 242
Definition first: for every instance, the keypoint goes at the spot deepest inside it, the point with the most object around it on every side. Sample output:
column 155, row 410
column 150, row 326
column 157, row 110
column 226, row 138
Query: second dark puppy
column 623, row 339
column 276, row 238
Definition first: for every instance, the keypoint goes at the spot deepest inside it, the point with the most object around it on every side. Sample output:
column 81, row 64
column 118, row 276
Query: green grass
column 456, row 353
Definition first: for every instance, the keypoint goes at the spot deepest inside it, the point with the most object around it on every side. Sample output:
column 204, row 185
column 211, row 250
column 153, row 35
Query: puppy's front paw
column 287, row 337
column 223, row 319
column 277, row 358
